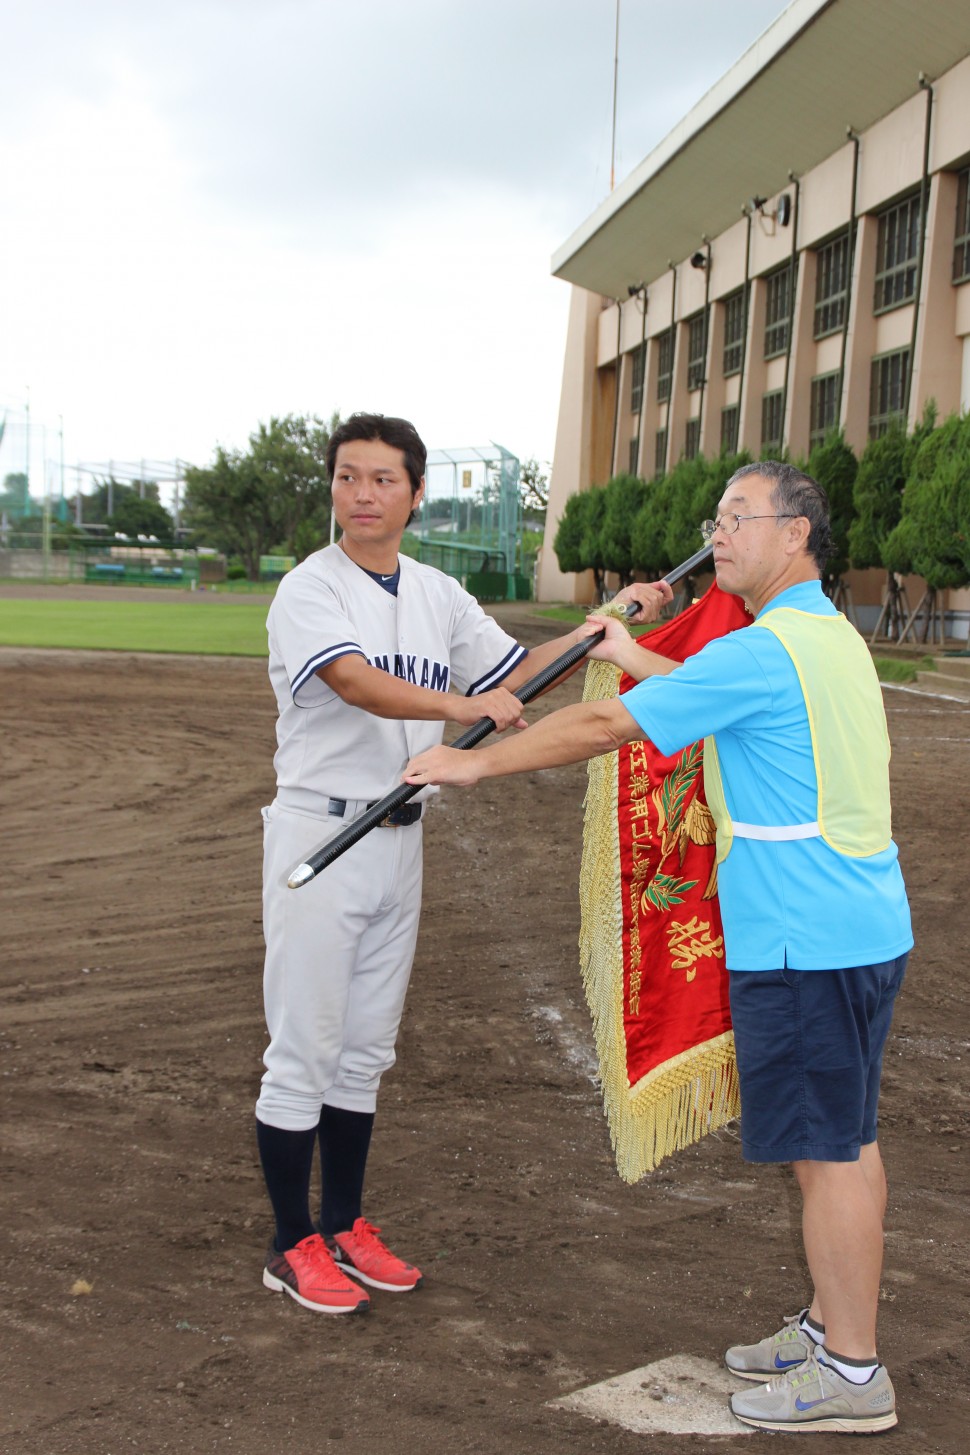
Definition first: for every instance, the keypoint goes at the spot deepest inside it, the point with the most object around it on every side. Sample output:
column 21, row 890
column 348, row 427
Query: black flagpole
column 472, row 736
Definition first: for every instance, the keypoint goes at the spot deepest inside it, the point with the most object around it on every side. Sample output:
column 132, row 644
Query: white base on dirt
column 681, row 1395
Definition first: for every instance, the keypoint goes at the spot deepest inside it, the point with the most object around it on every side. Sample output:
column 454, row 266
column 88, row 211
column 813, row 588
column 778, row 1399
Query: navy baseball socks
column 344, row 1144
column 287, row 1161
column 354, row 1242
column 312, row 1264
column 298, row 1261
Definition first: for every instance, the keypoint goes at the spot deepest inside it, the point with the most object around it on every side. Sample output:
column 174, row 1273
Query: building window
column 733, row 332
column 826, row 397
column 887, row 391
column 636, row 385
column 897, row 246
column 778, row 311
column 831, row 286
column 634, row 454
column 961, row 246
column 660, row 452
column 692, row 441
column 771, row 422
column 665, row 363
column 730, row 420
column 696, row 349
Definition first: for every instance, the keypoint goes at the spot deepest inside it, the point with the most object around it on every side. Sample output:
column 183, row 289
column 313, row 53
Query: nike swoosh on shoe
column 809, row 1404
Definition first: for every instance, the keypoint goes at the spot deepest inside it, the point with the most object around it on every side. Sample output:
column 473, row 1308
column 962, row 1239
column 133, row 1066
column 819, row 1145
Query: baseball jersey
column 797, row 903
column 432, row 634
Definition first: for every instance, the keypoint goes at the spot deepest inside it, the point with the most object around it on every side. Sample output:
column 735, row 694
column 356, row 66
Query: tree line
column 904, row 504
column 269, row 499
column 274, row 497
column 126, row 508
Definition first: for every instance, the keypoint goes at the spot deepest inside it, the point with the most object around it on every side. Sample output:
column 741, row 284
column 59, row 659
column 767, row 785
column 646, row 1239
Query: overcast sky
column 213, row 211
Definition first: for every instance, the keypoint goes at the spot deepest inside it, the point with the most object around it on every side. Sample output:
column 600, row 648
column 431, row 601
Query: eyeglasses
column 730, row 523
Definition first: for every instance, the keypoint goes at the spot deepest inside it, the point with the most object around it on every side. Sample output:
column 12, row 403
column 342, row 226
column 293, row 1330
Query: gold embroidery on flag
column 690, row 942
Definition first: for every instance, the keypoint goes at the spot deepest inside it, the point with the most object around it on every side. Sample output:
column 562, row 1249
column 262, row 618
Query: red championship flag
column 651, row 946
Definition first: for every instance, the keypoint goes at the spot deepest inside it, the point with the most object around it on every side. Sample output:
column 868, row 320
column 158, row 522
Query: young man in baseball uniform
column 370, row 654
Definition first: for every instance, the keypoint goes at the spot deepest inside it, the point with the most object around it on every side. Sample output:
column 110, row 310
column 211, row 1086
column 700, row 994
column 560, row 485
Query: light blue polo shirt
column 797, row 902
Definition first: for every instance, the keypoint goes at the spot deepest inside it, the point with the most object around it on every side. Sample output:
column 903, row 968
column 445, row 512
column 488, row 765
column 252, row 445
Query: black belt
column 401, row 817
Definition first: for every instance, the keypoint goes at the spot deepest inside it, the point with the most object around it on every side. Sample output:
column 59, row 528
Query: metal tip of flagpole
column 301, row 875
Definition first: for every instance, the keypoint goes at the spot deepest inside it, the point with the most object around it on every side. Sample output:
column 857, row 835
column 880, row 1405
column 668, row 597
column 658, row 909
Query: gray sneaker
column 774, row 1355
column 816, row 1397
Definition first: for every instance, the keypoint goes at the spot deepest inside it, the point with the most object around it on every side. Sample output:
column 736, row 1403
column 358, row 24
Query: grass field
column 214, row 627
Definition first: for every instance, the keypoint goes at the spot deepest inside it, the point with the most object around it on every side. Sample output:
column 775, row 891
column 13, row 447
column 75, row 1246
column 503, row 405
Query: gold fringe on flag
column 690, row 1094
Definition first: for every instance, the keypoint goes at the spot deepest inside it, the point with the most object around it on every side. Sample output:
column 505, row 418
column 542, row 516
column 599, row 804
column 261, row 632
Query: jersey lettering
column 433, row 675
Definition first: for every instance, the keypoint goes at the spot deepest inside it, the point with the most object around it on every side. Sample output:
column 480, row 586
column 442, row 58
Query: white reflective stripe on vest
column 778, row 833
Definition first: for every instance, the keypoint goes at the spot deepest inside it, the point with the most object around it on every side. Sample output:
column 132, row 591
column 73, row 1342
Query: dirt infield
column 133, row 1317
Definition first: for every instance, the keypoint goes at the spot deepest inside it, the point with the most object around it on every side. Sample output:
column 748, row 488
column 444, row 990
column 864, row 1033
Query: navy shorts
column 809, row 1045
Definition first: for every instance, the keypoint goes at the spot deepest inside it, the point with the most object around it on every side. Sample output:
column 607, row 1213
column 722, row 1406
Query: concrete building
column 794, row 255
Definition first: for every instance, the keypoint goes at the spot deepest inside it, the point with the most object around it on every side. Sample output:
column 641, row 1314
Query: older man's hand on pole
column 443, row 765
column 650, row 596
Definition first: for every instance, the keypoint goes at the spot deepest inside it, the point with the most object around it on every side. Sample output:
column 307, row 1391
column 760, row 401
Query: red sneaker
column 364, row 1256
column 309, row 1274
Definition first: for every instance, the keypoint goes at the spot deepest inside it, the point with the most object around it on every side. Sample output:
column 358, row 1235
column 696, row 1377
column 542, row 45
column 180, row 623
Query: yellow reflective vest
column 844, row 704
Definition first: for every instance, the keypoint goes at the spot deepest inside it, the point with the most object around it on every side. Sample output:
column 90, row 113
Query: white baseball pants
column 338, row 961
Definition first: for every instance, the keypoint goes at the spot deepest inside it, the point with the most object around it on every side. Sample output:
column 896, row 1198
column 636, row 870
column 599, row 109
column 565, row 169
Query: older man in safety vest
column 816, row 920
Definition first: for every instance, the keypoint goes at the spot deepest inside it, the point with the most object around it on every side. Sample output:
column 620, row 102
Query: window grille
column 634, row 454
column 778, row 311
column 734, row 323
column 897, row 248
column 771, row 422
column 665, row 363
column 887, row 391
column 696, row 349
column 730, row 420
column 961, row 242
column 831, row 286
column 692, row 440
column 826, row 397
column 660, row 452
column 636, row 385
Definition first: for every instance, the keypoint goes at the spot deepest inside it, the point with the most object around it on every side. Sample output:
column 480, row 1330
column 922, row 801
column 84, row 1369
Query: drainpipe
column 791, row 302
column 643, row 367
column 673, row 359
column 850, row 264
column 707, row 330
column 616, row 391
column 747, row 319
column 923, row 200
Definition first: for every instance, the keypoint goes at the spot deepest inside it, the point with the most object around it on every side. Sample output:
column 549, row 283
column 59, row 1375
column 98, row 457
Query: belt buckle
column 401, row 817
